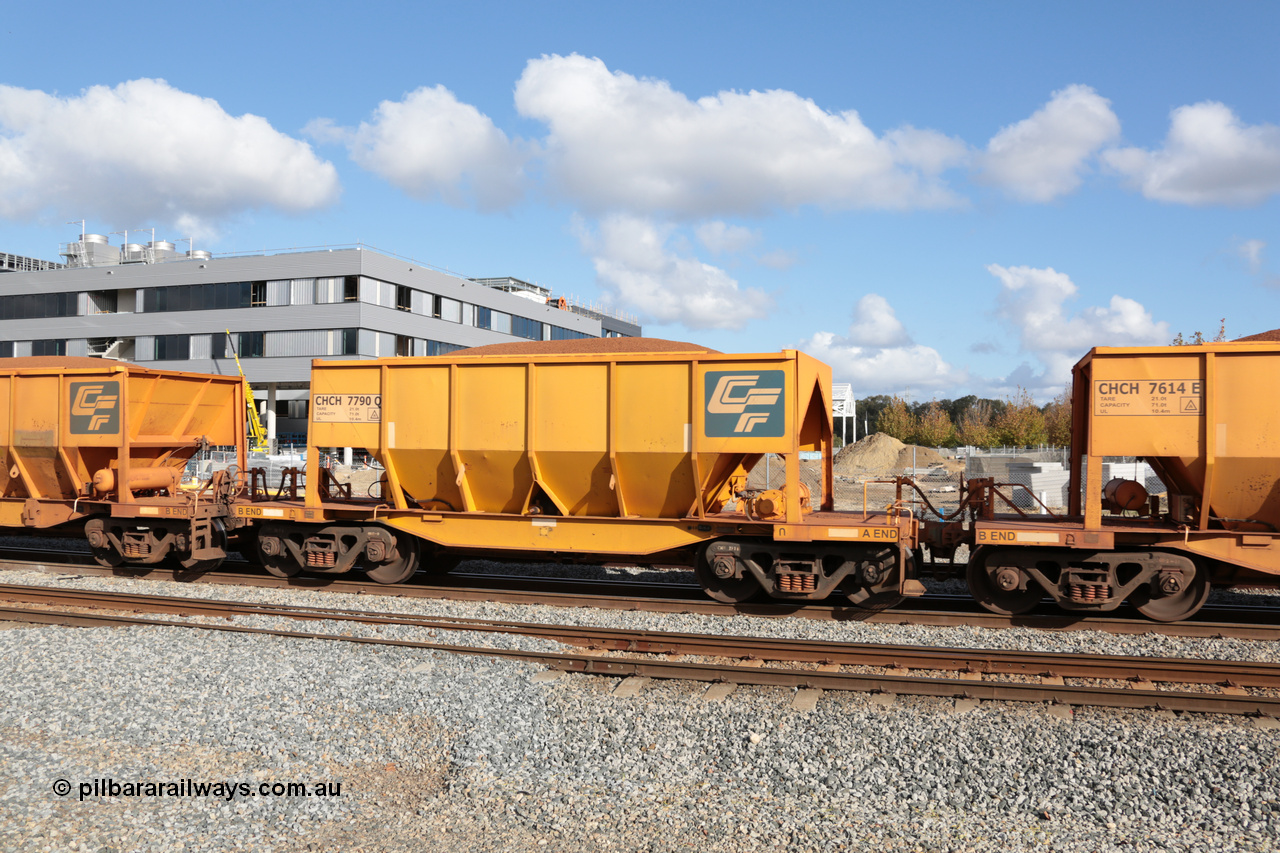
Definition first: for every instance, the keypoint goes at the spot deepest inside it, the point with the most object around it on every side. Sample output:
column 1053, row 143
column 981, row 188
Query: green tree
column 1021, row 424
column 934, row 427
column 897, row 420
column 974, row 427
column 1057, row 418
column 867, row 411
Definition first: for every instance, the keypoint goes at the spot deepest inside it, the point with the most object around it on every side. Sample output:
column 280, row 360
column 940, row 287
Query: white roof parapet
column 842, row 401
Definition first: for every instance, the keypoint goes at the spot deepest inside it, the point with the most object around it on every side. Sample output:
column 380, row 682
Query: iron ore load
column 589, row 450
column 637, row 451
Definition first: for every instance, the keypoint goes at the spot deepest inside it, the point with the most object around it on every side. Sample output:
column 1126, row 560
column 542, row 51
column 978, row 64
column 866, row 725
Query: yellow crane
column 255, row 422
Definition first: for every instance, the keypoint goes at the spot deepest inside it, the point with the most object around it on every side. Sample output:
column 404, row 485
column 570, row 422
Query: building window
column 6, row 349
column 561, row 334
column 201, row 297
column 103, row 301
column 351, row 289
column 251, row 344
column 404, row 301
column 258, row 294
column 173, row 347
column 484, row 317
column 441, row 348
column 350, row 342
column 34, row 306
column 52, row 347
column 404, row 345
column 446, row 309
column 523, row 327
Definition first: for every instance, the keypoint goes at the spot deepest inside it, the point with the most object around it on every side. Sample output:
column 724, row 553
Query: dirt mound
column 925, row 457
column 880, row 454
column 874, row 454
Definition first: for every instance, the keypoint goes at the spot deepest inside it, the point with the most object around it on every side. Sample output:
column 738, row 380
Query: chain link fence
column 1034, row 480
column 363, row 474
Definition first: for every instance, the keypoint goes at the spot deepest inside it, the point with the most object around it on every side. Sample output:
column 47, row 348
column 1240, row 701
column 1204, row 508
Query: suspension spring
column 797, row 583
column 1089, row 592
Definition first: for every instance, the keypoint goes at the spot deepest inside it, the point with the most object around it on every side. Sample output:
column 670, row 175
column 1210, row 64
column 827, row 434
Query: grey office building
column 162, row 308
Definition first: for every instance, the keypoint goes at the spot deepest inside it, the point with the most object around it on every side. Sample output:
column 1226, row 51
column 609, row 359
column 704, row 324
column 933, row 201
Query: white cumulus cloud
column 622, row 143
column 1043, row 157
column 1209, row 157
column 878, row 355
column 1033, row 301
column 876, row 324
column 145, row 151
column 722, row 238
column 431, row 145
column 635, row 265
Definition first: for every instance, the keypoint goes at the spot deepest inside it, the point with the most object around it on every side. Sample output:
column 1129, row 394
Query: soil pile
column 879, row 454
column 925, row 457
column 874, row 454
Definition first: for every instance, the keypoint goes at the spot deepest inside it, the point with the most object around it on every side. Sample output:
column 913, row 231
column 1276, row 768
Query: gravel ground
column 444, row 752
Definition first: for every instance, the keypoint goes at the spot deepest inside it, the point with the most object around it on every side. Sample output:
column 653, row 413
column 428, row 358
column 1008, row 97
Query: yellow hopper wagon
column 98, row 448
column 1201, row 420
column 599, row 450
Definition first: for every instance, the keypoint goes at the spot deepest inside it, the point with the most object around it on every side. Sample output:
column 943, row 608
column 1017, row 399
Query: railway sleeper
column 1162, row 585
column 733, row 571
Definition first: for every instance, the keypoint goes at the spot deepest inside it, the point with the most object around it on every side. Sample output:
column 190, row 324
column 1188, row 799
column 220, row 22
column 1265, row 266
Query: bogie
column 1163, row 585
column 385, row 556
column 200, row 545
column 738, row 570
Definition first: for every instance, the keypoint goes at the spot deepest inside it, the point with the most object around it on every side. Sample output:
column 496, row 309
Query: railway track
column 1214, row 622
column 974, row 673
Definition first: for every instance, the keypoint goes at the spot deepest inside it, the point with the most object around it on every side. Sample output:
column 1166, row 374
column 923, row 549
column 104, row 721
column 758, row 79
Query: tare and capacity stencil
column 1148, row 397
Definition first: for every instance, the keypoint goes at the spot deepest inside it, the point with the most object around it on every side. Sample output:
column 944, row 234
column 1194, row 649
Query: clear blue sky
column 936, row 198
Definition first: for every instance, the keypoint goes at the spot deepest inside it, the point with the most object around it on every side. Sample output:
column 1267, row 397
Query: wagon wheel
column 400, row 565
column 1005, row 602
column 281, row 565
column 100, row 545
column 883, row 592
column 194, row 567
column 1178, row 606
column 728, row 590
column 107, row 556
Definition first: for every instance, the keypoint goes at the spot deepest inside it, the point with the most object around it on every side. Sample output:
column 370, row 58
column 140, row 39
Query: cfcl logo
column 742, row 404
column 95, row 408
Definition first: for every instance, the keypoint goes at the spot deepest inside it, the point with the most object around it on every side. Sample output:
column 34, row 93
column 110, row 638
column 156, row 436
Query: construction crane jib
column 255, row 422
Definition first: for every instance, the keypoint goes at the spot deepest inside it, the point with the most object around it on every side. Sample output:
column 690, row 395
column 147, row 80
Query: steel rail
column 743, row 675
column 568, row 593
column 992, row 661
column 545, row 593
